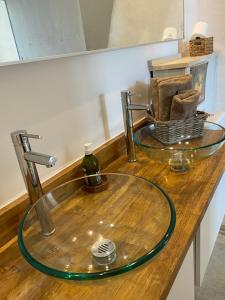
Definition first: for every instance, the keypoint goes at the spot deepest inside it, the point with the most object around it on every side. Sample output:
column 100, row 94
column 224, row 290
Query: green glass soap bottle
column 90, row 166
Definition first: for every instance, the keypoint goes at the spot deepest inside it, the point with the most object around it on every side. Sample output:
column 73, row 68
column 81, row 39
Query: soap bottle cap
column 88, row 148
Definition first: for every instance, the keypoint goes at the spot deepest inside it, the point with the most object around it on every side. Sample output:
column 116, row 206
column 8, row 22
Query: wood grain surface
column 191, row 194
column 11, row 214
column 132, row 213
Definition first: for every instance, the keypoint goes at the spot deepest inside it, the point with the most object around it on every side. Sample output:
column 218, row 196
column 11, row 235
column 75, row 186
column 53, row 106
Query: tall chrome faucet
column 128, row 107
column 27, row 160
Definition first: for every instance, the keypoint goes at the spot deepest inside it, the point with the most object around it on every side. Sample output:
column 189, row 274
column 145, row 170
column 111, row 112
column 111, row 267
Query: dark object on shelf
column 97, row 188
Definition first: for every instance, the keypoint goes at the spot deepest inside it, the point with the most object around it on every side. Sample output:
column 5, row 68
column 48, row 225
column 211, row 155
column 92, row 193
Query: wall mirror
column 33, row 29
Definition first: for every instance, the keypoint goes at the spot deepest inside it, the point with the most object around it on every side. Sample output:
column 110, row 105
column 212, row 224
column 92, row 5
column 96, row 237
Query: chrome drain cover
column 104, row 252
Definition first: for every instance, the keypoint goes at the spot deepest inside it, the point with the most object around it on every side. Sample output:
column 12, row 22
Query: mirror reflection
column 31, row 29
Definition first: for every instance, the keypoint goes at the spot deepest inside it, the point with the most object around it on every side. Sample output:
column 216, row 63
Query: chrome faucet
column 27, row 162
column 128, row 107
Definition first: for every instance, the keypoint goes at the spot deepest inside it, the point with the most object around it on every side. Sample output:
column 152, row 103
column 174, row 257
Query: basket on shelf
column 201, row 46
column 172, row 132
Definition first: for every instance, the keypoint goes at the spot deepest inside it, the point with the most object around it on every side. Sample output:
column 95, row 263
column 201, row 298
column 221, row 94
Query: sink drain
column 104, row 252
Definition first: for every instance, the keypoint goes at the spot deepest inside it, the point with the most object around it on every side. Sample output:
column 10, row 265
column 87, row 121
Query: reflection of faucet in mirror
column 27, row 160
column 128, row 107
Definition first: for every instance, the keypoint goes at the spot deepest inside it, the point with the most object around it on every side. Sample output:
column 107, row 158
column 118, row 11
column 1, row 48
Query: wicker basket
column 172, row 132
column 201, row 46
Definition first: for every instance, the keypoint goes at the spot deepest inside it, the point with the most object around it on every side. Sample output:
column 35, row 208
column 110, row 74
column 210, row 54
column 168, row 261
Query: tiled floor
column 213, row 287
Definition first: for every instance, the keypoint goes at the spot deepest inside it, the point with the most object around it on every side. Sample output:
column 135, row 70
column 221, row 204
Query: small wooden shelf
column 177, row 62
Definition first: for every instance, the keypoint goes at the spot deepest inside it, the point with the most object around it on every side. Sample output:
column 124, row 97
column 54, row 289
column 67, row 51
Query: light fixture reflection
column 90, row 268
column 100, row 237
column 67, row 267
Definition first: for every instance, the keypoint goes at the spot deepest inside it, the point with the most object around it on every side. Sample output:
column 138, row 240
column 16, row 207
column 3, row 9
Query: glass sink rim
column 102, row 274
column 170, row 147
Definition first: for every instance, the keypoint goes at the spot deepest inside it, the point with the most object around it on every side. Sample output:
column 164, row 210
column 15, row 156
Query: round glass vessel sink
column 100, row 232
column 181, row 155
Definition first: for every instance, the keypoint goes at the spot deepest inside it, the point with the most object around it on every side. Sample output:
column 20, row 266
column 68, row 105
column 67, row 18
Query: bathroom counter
column 191, row 194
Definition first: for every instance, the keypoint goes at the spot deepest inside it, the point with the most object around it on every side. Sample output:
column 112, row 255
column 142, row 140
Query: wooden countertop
column 191, row 194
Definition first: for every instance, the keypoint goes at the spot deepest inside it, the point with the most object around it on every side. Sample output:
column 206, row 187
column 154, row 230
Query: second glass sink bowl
column 125, row 223
column 181, row 155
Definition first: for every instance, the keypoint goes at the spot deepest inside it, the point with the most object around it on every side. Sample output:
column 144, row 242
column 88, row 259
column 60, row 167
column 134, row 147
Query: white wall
column 191, row 16
column 68, row 101
column 213, row 12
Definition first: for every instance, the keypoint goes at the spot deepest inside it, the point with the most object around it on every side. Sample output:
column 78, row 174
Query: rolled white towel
column 201, row 29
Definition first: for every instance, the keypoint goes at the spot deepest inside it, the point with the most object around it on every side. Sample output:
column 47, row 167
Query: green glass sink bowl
column 181, row 155
column 131, row 216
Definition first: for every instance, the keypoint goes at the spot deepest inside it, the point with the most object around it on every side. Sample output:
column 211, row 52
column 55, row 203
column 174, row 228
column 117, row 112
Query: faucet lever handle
column 128, row 93
column 132, row 94
column 31, row 136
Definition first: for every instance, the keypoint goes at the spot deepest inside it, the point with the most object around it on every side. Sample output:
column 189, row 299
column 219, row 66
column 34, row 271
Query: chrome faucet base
column 46, row 223
column 48, row 233
column 128, row 107
column 132, row 160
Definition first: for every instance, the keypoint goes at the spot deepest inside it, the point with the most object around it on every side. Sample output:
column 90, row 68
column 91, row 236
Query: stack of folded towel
column 173, row 98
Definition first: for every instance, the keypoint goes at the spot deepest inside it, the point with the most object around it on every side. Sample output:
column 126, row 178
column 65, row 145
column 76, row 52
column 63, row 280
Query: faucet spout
column 41, row 159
